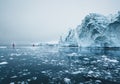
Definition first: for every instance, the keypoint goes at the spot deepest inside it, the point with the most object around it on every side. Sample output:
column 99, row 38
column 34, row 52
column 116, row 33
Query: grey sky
column 46, row 20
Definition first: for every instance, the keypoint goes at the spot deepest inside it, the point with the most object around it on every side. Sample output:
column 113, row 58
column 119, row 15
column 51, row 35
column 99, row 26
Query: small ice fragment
column 2, row 63
column 114, row 60
column 98, row 60
column 11, row 58
column 77, row 72
column 24, row 74
column 90, row 72
column 34, row 78
column 12, row 83
column 66, row 71
column 28, row 80
column 67, row 80
column 25, row 69
column 104, row 56
column 13, row 77
column 72, row 54
column 22, row 82
column 2, row 56
column 111, row 60
column 98, row 81
column 86, row 59
column 43, row 72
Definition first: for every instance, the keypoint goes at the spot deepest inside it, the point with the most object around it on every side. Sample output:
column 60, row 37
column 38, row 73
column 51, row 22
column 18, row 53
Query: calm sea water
column 59, row 65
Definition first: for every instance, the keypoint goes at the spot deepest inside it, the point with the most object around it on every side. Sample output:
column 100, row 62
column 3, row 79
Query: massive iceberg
column 95, row 30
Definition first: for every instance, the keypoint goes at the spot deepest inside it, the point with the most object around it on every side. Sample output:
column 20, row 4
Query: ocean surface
column 58, row 65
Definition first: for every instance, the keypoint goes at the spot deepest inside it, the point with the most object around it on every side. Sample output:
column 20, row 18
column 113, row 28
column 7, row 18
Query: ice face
column 95, row 30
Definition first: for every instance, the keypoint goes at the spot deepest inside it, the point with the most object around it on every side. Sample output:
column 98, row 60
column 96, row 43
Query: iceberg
column 96, row 30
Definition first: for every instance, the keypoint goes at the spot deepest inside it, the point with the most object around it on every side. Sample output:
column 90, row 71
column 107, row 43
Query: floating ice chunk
column 34, row 78
column 111, row 60
column 86, row 59
column 76, row 72
column 66, row 71
column 98, row 60
column 53, row 60
column 24, row 74
column 90, row 72
column 2, row 63
column 72, row 54
column 67, row 80
column 104, row 56
column 15, row 54
column 11, row 58
column 13, row 77
column 1, row 56
column 98, row 81
column 22, row 82
column 12, row 83
column 81, row 69
column 25, row 70
column 28, row 80
column 43, row 72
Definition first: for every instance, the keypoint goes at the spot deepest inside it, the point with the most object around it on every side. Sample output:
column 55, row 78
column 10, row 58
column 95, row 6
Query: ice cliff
column 95, row 30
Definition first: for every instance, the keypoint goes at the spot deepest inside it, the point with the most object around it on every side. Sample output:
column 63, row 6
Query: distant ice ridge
column 95, row 30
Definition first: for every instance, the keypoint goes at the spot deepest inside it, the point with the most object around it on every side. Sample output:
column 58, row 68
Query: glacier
column 96, row 30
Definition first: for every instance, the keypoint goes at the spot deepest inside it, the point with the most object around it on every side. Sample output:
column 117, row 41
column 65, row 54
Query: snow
column 3, row 63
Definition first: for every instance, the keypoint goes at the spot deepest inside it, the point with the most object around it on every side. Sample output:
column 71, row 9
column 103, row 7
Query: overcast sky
column 46, row 20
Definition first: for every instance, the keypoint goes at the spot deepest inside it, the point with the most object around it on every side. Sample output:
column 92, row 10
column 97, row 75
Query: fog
column 46, row 20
